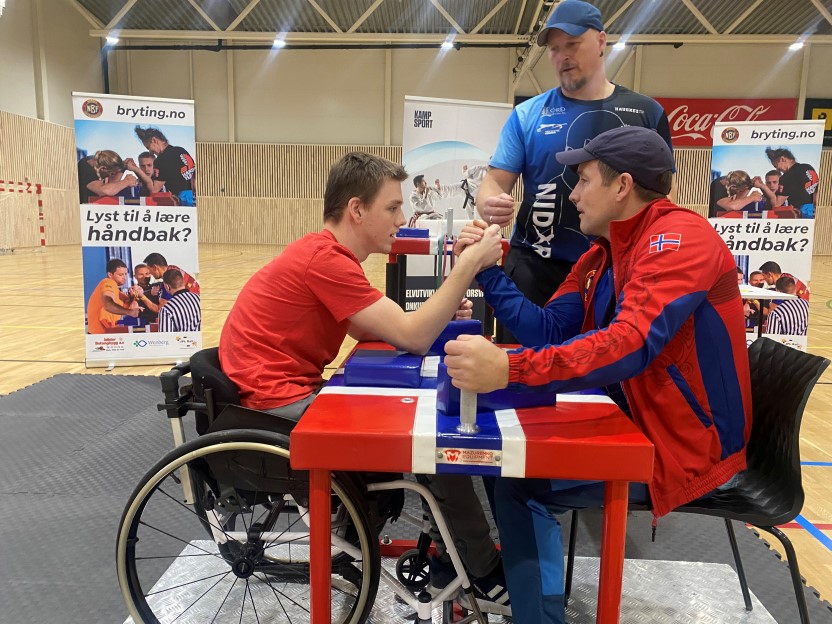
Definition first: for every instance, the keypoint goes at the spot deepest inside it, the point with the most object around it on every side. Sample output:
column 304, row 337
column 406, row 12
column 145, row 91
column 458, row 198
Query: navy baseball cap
column 641, row 152
column 573, row 17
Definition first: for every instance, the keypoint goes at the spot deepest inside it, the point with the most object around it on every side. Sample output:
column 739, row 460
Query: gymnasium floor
column 42, row 334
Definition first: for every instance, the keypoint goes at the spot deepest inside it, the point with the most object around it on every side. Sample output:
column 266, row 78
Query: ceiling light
column 279, row 42
column 619, row 45
column 796, row 46
column 447, row 45
column 112, row 40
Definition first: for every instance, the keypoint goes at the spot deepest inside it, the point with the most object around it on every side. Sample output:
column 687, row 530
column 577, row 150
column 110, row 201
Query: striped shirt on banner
column 181, row 313
column 791, row 318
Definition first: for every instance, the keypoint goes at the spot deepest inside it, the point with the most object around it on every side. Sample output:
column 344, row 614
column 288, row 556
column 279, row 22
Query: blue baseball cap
column 573, row 17
column 641, row 152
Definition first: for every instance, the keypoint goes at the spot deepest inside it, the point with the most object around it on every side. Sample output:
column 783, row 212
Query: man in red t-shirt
column 290, row 318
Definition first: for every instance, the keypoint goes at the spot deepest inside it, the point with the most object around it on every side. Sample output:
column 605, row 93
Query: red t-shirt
column 800, row 289
column 290, row 319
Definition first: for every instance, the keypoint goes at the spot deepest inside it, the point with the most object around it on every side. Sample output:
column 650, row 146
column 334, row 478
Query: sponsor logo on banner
column 141, row 343
column 692, row 119
column 92, row 108
column 729, row 135
column 469, row 457
column 422, row 119
column 108, row 344
column 186, row 342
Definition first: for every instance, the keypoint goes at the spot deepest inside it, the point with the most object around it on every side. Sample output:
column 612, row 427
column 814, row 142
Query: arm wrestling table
column 399, row 430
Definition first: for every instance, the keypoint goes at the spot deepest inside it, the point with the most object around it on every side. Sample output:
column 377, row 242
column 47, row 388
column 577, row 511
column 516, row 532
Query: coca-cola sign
column 692, row 120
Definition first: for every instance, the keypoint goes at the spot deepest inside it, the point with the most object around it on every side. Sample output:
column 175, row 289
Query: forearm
column 147, row 303
column 422, row 326
column 115, row 308
column 489, row 187
column 531, row 324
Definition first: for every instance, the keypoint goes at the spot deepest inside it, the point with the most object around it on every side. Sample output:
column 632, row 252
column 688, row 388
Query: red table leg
column 319, row 545
column 612, row 552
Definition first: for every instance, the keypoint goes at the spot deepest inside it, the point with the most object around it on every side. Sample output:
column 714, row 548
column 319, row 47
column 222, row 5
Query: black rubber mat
column 73, row 447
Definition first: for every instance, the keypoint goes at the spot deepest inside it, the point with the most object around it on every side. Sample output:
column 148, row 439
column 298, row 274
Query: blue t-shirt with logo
column 539, row 128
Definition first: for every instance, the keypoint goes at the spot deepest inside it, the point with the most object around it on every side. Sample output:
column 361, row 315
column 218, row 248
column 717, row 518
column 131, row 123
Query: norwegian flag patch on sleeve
column 665, row 242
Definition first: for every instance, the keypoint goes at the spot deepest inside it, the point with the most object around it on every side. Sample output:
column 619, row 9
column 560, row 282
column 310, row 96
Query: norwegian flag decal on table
column 665, row 242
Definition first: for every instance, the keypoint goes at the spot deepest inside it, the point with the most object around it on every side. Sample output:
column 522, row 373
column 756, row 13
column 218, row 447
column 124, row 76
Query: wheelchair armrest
column 177, row 405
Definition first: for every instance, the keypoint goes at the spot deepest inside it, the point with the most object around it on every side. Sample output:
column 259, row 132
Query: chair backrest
column 782, row 379
column 207, row 374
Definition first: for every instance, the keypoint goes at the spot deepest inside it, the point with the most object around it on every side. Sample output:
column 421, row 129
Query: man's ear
column 625, row 184
column 602, row 42
column 355, row 208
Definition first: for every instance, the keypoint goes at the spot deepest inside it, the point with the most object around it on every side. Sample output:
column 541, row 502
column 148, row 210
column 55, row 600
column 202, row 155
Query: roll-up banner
column 763, row 193
column 137, row 185
column 446, row 146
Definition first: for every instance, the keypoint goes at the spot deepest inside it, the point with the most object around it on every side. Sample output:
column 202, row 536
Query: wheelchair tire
column 239, row 552
column 412, row 573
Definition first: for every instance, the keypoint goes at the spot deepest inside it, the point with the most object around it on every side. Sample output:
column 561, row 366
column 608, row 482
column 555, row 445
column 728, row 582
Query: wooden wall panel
column 259, row 193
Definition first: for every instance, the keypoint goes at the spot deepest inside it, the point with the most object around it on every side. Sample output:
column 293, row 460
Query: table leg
column 760, row 324
column 612, row 552
column 320, row 517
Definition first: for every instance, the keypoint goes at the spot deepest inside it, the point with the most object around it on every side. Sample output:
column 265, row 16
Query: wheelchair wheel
column 412, row 573
column 240, row 551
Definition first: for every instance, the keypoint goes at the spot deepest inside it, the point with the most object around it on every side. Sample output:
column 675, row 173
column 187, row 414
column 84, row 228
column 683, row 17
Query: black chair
column 770, row 491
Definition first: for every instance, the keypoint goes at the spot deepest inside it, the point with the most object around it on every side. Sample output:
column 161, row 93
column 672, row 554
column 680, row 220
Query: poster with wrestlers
column 137, row 196
column 446, row 146
column 763, row 193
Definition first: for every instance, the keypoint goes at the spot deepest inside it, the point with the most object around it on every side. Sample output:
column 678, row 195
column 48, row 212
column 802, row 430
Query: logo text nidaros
column 421, row 119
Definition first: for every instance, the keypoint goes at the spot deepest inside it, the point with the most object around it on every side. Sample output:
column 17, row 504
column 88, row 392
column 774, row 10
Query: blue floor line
column 810, row 463
column 814, row 532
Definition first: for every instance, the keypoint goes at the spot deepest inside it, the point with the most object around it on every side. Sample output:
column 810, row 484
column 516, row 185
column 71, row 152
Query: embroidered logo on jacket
column 665, row 242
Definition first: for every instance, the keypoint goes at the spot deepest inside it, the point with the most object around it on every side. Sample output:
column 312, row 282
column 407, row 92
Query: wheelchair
column 217, row 530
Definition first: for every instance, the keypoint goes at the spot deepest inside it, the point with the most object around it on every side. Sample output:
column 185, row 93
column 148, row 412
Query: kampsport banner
column 446, row 146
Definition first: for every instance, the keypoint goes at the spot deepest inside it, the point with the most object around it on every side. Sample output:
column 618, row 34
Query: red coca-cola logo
column 692, row 120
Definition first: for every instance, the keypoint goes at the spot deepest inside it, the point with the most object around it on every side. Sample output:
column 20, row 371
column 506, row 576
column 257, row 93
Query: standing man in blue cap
column 640, row 315
column 547, row 239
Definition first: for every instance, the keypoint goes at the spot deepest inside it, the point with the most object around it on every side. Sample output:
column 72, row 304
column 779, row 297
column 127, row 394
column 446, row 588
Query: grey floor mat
column 74, row 446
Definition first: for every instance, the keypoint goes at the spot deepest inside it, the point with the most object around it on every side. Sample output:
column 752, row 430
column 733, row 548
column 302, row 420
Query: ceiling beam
column 365, row 15
column 311, row 37
column 118, row 16
column 204, row 15
column 488, row 17
column 325, row 15
column 529, row 62
column 822, row 10
column 618, row 13
column 698, row 15
column 437, row 38
column 520, row 17
column 447, row 16
column 92, row 19
column 532, row 22
column 742, row 17
column 233, row 25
